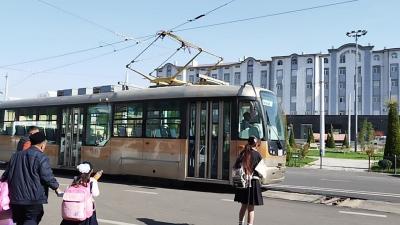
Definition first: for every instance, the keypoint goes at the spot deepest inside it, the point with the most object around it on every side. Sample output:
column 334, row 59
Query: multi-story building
column 296, row 78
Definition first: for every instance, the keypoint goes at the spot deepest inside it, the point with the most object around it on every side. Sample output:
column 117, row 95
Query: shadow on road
column 155, row 222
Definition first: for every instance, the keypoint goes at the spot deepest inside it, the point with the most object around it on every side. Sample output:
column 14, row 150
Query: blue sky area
column 31, row 29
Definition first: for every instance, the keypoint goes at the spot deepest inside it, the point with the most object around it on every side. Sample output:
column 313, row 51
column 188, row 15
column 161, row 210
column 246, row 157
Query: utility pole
column 322, row 113
column 349, row 125
column 6, row 88
column 356, row 35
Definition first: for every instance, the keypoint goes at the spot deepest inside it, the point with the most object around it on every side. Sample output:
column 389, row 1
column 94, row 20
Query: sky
column 31, row 29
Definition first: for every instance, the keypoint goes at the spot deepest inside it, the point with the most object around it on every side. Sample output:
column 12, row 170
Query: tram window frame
column 167, row 115
column 94, row 140
column 255, row 123
column 4, row 121
column 126, row 120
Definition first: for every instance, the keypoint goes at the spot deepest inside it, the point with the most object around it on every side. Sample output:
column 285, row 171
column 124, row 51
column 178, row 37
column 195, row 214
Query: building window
column 375, row 99
column 191, row 69
column 376, row 69
column 376, row 57
column 326, row 71
column 326, row 85
column 237, row 78
column 395, row 83
column 264, row 63
column 293, row 99
column 326, row 98
column 342, row 113
column 227, row 67
column 294, row 73
column 169, row 71
column 376, row 83
column 237, row 66
column 227, row 77
column 309, row 60
column 293, row 86
column 279, row 73
column 250, row 76
column 279, row 86
column 394, row 55
column 215, row 76
column 308, row 85
column 342, row 99
column 394, row 68
column 308, row 99
column 342, row 71
column 342, row 85
column 309, row 71
column 191, row 79
column 294, row 61
column 264, row 78
column 326, row 60
column 342, row 58
column 280, row 63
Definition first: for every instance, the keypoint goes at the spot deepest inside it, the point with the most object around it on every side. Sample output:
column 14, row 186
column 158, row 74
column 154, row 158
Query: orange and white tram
column 188, row 132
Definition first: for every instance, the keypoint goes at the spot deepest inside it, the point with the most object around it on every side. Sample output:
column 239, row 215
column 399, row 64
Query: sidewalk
column 341, row 164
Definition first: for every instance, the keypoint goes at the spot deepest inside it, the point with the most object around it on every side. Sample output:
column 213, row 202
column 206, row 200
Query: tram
column 187, row 132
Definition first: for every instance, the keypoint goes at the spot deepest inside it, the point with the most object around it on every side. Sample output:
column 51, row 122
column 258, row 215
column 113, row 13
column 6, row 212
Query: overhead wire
column 265, row 16
column 85, row 19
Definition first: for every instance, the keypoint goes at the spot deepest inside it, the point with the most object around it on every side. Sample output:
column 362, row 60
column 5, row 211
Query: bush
column 304, row 150
column 385, row 164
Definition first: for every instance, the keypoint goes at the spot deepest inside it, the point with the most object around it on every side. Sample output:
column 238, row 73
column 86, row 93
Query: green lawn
column 347, row 154
column 300, row 162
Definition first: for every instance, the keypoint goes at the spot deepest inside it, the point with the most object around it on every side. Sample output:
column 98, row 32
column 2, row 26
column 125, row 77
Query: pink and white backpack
column 77, row 203
column 4, row 198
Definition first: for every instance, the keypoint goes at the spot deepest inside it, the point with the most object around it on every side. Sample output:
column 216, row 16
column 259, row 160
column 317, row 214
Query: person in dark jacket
column 24, row 142
column 29, row 176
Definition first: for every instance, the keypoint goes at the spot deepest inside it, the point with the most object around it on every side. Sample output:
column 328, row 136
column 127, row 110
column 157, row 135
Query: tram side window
column 128, row 119
column 7, row 120
column 26, row 118
column 98, row 125
column 47, row 122
column 250, row 120
column 163, row 120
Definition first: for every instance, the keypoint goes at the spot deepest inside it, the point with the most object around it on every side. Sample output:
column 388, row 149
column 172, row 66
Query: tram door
column 209, row 139
column 71, row 137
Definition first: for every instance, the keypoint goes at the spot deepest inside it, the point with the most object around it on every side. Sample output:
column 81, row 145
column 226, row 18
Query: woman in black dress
column 250, row 196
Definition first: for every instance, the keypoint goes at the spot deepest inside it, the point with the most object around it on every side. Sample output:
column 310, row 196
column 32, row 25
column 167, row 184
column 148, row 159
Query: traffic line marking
column 227, row 200
column 114, row 222
column 382, row 194
column 143, row 192
column 363, row 214
column 335, row 180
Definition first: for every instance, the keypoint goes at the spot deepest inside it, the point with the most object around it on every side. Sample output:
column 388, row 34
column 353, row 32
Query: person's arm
column 4, row 177
column 95, row 187
column 46, row 174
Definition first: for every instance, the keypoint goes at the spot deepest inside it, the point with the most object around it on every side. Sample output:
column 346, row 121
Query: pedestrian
column 24, row 142
column 29, row 177
column 251, row 195
column 84, row 185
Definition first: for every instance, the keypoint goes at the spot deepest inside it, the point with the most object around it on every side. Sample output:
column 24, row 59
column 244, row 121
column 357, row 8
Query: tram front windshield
column 274, row 119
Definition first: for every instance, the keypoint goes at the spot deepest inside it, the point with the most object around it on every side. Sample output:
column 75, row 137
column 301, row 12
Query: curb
column 379, row 206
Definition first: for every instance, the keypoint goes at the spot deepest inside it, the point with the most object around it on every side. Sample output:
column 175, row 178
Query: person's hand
column 98, row 175
column 59, row 193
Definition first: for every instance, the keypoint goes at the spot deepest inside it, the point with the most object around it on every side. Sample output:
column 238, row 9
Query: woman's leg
column 250, row 216
column 241, row 213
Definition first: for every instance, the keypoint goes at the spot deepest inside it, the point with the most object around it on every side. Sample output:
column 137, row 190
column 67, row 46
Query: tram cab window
column 7, row 122
column 250, row 120
column 163, row 120
column 98, row 125
column 128, row 119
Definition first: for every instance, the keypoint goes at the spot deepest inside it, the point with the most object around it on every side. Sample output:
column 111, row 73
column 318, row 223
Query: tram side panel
column 8, row 145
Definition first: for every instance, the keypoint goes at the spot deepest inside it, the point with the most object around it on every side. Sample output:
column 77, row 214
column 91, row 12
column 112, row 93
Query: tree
column 292, row 142
column 392, row 146
column 370, row 133
column 346, row 141
column 330, row 140
column 362, row 134
column 310, row 138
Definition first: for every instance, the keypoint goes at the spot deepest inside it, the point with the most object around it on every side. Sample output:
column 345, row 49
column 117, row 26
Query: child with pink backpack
column 78, row 204
column 5, row 211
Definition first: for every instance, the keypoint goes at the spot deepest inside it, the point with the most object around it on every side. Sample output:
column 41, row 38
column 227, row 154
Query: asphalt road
column 130, row 204
column 362, row 185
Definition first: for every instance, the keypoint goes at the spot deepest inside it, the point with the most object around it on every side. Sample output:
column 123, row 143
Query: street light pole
column 356, row 35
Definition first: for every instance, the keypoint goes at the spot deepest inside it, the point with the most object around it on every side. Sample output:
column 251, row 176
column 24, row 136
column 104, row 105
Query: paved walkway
column 341, row 164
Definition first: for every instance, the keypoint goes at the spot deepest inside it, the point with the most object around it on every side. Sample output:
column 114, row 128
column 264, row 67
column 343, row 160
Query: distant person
column 87, row 186
column 250, row 196
column 245, row 123
column 29, row 176
column 24, row 142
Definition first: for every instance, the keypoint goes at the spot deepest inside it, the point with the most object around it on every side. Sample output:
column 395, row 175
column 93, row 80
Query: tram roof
column 169, row 92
